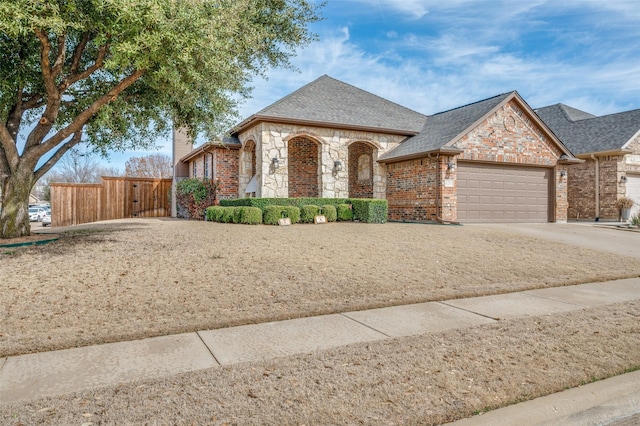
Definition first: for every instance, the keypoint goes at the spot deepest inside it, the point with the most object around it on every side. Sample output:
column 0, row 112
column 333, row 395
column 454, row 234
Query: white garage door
column 633, row 192
column 499, row 193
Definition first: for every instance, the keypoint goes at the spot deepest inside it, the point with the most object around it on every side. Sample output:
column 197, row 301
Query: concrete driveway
column 601, row 236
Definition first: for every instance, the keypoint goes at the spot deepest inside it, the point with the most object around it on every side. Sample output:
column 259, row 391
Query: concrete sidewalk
column 51, row 373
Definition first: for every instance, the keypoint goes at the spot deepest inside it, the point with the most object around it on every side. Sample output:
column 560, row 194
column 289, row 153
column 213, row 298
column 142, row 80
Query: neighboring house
column 610, row 146
column 490, row 161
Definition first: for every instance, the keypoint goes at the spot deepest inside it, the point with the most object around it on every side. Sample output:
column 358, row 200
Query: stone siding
column 272, row 141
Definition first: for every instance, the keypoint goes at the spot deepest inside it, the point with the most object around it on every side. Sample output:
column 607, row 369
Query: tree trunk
column 14, row 217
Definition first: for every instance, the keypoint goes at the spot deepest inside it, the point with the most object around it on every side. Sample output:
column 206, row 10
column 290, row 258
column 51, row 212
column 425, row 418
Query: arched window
column 364, row 167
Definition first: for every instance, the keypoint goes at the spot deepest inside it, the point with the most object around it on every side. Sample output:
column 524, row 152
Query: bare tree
column 77, row 166
column 151, row 166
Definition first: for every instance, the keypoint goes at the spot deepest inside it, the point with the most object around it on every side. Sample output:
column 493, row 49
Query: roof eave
column 445, row 150
column 207, row 147
column 256, row 119
column 603, row 153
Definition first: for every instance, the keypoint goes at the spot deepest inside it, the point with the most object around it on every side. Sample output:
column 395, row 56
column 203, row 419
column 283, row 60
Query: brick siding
column 223, row 166
column 411, row 190
column 360, row 188
column 303, row 168
column 416, row 189
column 582, row 188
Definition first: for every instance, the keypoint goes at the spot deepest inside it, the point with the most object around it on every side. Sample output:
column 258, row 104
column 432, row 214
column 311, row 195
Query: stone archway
column 361, row 156
column 249, row 168
column 303, row 155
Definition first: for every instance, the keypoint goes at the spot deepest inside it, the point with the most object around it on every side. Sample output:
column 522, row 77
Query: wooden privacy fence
column 114, row 198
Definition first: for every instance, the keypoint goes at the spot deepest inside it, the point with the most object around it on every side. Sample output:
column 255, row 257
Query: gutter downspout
column 597, row 165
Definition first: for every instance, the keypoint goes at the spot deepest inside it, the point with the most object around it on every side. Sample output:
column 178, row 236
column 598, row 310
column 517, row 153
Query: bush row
column 362, row 209
column 272, row 213
column 246, row 215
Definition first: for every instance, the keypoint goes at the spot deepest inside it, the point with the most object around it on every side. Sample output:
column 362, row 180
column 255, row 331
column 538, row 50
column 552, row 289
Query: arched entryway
column 249, row 168
column 361, row 170
column 303, row 154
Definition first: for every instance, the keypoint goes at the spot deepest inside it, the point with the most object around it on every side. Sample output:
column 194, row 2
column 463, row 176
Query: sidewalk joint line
column 468, row 310
column 208, row 348
column 555, row 300
column 365, row 325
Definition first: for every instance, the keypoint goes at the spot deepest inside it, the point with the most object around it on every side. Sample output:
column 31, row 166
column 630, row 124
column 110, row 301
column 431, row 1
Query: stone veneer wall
column 272, row 141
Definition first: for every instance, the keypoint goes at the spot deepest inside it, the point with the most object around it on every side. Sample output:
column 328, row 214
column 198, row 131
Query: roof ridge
column 328, row 77
column 281, row 100
column 474, row 103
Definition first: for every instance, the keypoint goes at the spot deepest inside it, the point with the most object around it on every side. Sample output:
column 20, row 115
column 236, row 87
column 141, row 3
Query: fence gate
column 114, row 198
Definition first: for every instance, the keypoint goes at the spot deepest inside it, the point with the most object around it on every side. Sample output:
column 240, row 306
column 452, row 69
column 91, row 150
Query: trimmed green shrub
column 293, row 213
column 330, row 212
column 237, row 214
column 273, row 213
column 250, row 215
column 227, row 215
column 370, row 210
column 262, row 203
column 213, row 213
column 344, row 212
column 308, row 212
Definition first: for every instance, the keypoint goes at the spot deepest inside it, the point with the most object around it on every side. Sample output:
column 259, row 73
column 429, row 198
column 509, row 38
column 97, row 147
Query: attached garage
column 633, row 192
column 503, row 193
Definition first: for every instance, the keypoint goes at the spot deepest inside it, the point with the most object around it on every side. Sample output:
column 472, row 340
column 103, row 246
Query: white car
column 46, row 220
column 36, row 214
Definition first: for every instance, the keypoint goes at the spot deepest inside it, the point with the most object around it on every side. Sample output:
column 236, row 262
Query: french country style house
column 490, row 161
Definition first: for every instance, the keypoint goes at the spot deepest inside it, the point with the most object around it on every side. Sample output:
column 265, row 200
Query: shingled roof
column 330, row 102
column 585, row 133
column 445, row 127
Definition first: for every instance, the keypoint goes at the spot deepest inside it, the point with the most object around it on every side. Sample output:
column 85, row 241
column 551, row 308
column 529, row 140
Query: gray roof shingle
column 330, row 101
column 443, row 127
column 585, row 133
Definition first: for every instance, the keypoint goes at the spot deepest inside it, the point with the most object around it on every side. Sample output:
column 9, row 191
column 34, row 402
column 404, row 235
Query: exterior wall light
column 337, row 166
column 623, row 179
column 275, row 162
column 563, row 173
column 451, row 165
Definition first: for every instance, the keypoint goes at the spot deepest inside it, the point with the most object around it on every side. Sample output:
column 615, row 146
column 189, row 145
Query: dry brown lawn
column 126, row 280
column 419, row 380
column 130, row 279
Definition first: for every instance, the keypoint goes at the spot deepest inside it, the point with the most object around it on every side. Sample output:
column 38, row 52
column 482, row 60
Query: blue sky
column 434, row 55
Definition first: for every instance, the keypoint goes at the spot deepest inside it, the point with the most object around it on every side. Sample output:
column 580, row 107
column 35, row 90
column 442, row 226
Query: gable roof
column 330, row 102
column 229, row 142
column 584, row 133
column 442, row 128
